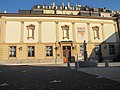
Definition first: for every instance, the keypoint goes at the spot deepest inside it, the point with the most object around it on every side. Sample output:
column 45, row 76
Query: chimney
column 4, row 11
column 76, row 5
column 68, row 4
column 53, row 4
column 63, row 5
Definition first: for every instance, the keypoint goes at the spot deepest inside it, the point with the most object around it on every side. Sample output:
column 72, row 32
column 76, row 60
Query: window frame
column 96, row 32
column 65, row 28
column 50, row 55
column 10, row 51
column 31, row 27
column 97, row 51
column 112, row 50
column 33, row 52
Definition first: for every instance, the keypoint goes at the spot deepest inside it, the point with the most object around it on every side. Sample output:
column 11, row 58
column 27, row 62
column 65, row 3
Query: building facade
column 56, row 38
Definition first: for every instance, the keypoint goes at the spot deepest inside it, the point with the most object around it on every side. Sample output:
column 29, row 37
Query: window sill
column 49, row 57
column 12, row 58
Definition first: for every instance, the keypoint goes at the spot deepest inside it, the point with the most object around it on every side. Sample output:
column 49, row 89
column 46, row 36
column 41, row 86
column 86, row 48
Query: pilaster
column 116, row 33
column 3, row 29
column 22, row 32
column 89, row 33
column 73, row 32
column 57, row 31
column 39, row 31
column 102, row 30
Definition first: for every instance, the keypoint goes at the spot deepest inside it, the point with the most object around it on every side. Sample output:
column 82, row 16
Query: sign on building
column 81, row 32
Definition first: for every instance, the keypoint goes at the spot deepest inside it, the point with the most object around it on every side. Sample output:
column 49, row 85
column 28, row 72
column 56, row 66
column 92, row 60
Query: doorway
column 66, row 53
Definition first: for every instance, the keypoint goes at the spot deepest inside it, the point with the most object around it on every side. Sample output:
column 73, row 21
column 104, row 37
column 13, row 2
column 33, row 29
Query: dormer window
column 65, row 29
column 31, row 29
column 96, row 32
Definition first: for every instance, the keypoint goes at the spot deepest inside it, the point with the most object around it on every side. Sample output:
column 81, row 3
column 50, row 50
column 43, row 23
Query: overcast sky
column 15, row 5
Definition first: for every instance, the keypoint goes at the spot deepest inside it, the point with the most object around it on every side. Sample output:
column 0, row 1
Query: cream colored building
column 56, row 38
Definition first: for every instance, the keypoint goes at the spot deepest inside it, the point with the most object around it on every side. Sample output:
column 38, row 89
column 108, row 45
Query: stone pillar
column 102, row 30
column 89, row 40
column 57, row 31
column 117, row 40
column 73, row 32
column 22, row 32
column 39, row 31
column 88, row 29
column 57, row 47
column 3, row 29
column 116, row 33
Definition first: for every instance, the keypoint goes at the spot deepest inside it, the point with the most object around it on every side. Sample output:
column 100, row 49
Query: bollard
column 77, row 65
column 68, row 64
column 106, row 63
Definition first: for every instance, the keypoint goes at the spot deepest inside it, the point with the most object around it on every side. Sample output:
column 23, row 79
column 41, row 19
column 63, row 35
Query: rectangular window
column 65, row 34
column 31, row 51
column 97, row 49
column 65, row 29
column 111, row 49
column 96, row 32
column 31, row 29
column 12, row 52
column 81, row 49
column 49, row 51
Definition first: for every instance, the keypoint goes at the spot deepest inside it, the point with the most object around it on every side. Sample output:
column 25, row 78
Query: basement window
column 49, row 51
column 12, row 52
column 31, row 51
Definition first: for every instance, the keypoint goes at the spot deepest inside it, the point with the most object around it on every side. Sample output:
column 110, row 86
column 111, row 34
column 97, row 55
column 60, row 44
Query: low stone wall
column 86, row 63
column 23, row 61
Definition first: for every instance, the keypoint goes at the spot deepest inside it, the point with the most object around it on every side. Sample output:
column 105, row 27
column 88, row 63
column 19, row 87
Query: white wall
column 48, row 29
column 109, row 30
column 48, row 32
column 0, row 26
column 13, row 30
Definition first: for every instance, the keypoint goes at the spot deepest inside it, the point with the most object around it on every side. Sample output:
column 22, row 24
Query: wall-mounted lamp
column 20, row 48
column 73, row 47
column 56, row 48
column 59, row 44
column 105, row 47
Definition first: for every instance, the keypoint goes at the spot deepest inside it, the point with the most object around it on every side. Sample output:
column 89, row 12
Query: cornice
column 54, row 15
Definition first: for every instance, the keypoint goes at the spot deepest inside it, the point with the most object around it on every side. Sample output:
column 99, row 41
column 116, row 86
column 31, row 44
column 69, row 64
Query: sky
column 12, row 6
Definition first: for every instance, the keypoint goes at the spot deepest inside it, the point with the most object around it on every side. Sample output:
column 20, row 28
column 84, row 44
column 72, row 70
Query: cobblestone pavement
column 51, row 78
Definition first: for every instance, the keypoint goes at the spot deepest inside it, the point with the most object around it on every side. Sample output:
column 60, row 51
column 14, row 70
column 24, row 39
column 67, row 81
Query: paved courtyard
column 112, row 73
column 40, row 77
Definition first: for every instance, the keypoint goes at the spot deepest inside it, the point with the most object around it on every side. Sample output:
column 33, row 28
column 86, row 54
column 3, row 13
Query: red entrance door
column 66, row 53
column 65, row 56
